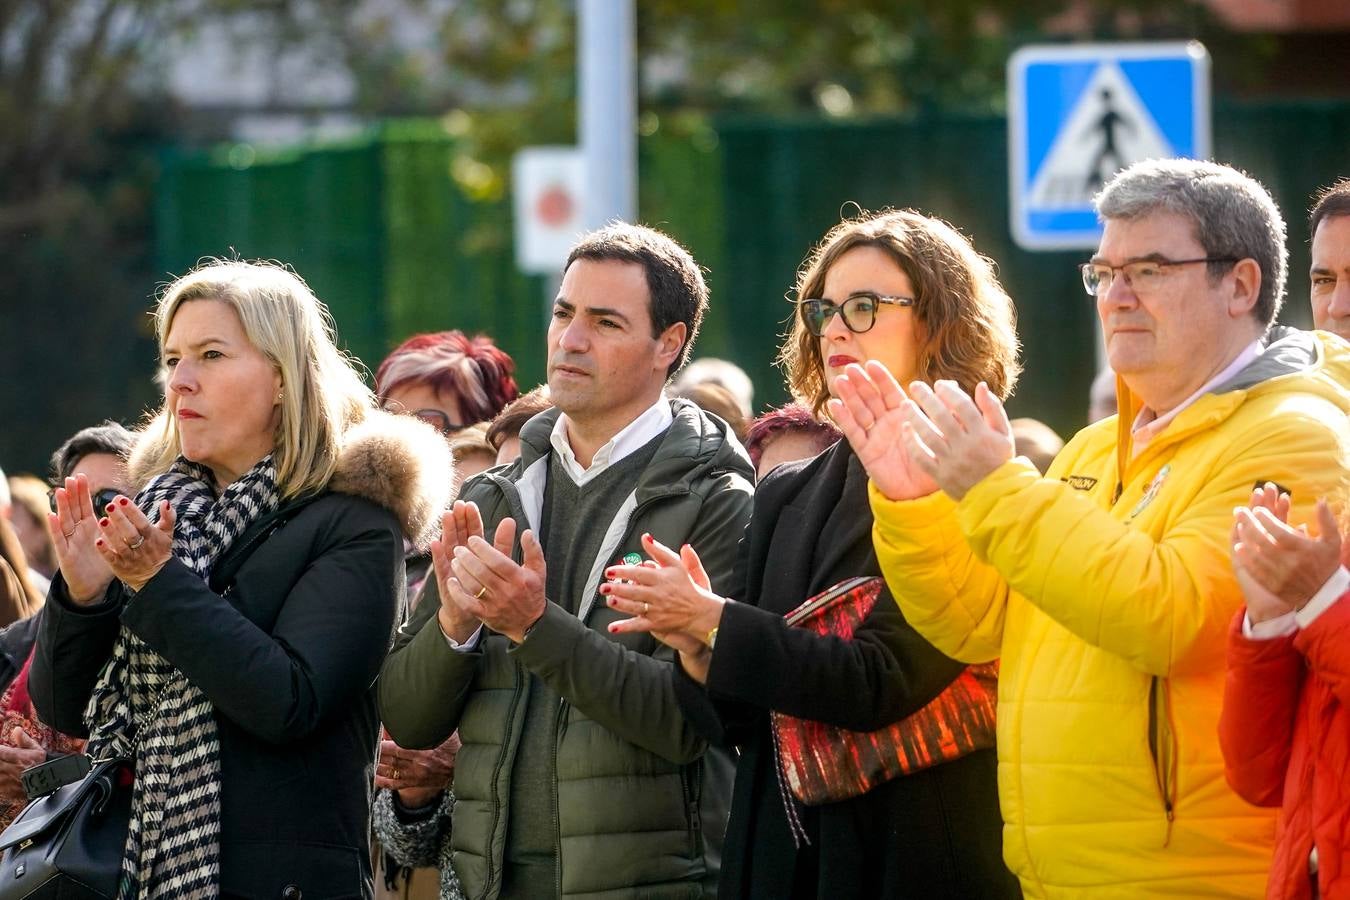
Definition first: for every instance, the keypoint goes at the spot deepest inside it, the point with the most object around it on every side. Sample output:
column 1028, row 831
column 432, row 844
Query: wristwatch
column 711, row 639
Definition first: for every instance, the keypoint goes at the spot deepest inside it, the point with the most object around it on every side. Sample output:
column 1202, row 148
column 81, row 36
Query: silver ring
column 136, row 544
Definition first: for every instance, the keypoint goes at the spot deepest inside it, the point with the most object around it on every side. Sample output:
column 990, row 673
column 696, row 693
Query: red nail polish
column 648, row 538
column 123, row 501
column 99, row 542
column 103, row 522
column 109, row 507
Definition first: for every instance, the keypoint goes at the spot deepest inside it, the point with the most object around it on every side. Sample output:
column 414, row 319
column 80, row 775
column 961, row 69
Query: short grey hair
column 1234, row 216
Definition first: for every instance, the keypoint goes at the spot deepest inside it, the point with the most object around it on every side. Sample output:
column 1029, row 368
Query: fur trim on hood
column 402, row 464
column 398, row 462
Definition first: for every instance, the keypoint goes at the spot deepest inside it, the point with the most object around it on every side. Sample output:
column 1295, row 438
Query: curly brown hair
column 967, row 323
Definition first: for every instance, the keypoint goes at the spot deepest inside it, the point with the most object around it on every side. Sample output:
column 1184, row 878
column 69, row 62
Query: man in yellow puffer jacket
column 1106, row 587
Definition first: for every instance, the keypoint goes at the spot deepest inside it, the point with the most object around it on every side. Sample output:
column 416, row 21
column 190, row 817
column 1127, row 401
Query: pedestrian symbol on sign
column 1108, row 129
column 1107, row 124
column 1079, row 114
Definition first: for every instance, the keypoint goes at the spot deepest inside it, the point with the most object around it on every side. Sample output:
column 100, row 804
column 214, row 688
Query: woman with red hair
column 447, row 379
column 452, row 382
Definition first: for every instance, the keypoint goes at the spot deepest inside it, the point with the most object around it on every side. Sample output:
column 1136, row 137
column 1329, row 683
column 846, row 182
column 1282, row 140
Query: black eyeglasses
column 101, row 499
column 859, row 311
column 1142, row 276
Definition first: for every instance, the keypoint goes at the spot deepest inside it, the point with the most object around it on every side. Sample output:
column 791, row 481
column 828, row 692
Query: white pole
column 607, row 111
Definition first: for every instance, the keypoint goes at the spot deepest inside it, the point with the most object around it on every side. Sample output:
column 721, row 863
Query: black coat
column 287, row 648
column 932, row 834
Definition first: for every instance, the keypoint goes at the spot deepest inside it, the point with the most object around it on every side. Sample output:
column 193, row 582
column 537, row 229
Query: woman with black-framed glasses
column 909, row 292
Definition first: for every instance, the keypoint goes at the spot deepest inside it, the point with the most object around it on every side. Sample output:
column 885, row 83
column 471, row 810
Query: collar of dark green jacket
column 696, row 446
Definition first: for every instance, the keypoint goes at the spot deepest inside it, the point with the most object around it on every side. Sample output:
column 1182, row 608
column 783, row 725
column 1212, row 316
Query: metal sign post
column 607, row 111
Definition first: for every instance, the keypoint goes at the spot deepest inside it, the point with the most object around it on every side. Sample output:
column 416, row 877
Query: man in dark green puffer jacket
column 579, row 776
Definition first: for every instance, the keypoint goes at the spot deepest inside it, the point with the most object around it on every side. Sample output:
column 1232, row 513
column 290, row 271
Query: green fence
column 386, row 237
column 383, row 233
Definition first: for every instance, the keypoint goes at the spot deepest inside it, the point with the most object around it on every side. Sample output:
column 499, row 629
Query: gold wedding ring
column 482, row 591
column 646, row 607
column 395, row 775
column 135, row 545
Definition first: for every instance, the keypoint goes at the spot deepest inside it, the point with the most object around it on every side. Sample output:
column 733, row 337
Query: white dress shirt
column 631, row 438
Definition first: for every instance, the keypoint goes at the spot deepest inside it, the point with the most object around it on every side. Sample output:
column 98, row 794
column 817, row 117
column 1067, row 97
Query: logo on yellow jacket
column 1151, row 491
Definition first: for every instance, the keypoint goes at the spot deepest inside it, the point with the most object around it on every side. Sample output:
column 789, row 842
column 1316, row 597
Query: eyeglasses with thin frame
column 1142, row 276
column 859, row 311
column 434, row 417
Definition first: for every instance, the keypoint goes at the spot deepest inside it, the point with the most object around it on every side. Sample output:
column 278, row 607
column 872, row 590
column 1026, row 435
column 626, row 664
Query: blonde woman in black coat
column 233, row 617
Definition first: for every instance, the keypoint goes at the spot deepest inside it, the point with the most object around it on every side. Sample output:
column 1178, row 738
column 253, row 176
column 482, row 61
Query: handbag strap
column 799, row 836
column 120, row 747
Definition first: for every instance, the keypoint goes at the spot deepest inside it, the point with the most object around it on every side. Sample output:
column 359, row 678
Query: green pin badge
column 632, row 559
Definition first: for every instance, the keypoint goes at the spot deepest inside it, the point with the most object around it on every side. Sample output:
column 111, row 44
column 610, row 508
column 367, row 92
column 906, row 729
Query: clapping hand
column 1280, row 568
column 955, row 440
column 486, row 585
column 669, row 596
column 462, row 522
column 133, row 547
column 122, row 543
column 932, row 438
column 869, row 412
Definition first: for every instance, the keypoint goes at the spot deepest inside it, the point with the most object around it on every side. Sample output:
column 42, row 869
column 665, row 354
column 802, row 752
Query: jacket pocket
column 691, row 778
column 293, row 870
column 1162, row 746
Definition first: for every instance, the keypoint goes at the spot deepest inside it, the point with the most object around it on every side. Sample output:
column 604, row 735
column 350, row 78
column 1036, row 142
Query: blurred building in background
column 369, row 146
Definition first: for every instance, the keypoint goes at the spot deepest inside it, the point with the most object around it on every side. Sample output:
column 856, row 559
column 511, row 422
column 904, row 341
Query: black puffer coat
column 287, row 646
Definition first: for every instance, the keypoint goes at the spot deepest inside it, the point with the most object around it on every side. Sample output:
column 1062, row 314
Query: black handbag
column 69, row 844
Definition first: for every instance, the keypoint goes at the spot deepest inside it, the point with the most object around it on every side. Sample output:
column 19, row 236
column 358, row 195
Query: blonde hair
column 322, row 393
column 968, row 327
column 471, row 440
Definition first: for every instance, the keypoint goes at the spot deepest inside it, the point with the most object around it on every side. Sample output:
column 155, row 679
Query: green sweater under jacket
column 630, row 772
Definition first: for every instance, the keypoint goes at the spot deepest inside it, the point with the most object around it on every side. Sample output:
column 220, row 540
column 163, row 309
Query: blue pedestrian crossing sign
column 1077, row 114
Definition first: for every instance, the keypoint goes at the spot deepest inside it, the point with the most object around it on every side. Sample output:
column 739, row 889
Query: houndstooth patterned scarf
column 173, row 844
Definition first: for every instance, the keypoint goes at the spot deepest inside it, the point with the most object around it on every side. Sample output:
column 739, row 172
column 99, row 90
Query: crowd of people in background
column 621, row 635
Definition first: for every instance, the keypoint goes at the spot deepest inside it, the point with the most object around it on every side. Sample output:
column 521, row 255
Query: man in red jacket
column 1285, row 727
